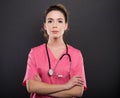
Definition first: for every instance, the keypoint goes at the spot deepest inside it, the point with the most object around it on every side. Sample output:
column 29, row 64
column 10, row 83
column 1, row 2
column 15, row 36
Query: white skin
column 55, row 26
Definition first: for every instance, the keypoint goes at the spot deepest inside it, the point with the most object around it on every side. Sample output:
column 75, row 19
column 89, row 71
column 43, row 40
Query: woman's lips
column 54, row 32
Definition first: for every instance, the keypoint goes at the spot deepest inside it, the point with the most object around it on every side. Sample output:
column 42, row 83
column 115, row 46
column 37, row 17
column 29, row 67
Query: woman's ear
column 44, row 26
column 66, row 26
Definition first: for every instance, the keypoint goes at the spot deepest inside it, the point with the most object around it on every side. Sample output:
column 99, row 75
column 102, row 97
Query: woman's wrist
column 65, row 87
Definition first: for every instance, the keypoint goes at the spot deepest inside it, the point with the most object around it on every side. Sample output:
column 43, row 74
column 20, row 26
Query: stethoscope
column 51, row 71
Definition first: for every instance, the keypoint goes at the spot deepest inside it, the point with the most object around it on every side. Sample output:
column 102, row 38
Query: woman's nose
column 55, row 25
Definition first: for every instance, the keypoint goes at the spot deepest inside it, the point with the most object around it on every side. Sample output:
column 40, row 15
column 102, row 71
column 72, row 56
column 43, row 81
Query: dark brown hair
column 58, row 7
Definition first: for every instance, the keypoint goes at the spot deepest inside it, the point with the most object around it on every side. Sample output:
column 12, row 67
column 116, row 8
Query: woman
column 55, row 69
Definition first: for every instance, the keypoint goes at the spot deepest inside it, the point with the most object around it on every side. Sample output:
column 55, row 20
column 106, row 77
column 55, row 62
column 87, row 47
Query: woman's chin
column 56, row 37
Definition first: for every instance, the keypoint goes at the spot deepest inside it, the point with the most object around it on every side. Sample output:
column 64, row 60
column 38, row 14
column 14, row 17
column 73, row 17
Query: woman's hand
column 37, row 77
column 74, row 81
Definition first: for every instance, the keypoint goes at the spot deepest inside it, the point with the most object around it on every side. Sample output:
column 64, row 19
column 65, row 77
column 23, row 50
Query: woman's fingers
column 37, row 78
column 78, row 80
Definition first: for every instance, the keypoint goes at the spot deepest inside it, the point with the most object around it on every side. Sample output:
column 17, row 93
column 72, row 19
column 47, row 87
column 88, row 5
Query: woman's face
column 55, row 24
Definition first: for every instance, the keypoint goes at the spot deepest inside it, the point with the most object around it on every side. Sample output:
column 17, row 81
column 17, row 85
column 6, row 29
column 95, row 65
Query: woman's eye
column 50, row 21
column 60, row 21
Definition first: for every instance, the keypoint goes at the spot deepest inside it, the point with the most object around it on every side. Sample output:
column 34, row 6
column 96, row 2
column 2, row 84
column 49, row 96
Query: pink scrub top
column 37, row 64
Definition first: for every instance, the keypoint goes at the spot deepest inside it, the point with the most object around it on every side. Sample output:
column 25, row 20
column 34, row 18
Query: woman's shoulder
column 75, row 52
column 73, row 49
column 38, row 48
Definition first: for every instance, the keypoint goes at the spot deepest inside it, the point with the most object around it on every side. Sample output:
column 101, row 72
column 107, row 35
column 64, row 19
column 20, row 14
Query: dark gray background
column 94, row 29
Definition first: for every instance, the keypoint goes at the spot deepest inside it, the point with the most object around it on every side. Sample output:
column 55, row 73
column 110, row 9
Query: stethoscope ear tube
column 67, row 55
column 48, row 56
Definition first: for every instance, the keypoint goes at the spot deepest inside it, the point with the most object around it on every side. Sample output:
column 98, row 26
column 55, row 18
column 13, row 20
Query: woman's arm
column 76, row 91
column 39, row 87
column 42, row 88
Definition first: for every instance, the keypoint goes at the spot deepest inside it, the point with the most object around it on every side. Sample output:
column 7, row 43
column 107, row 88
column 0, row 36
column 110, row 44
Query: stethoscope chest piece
column 50, row 72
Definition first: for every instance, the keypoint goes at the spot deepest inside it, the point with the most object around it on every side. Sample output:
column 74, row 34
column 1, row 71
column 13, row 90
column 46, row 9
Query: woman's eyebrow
column 50, row 19
column 53, row 19
column 60, row 19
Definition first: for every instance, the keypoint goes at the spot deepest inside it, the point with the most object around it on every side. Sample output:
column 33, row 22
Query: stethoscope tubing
column 59, row 60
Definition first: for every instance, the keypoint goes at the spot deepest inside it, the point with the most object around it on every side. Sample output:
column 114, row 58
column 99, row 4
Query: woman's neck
column 56, row 42
column 56, row 46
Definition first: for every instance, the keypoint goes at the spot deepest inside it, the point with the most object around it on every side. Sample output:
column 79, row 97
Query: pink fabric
column 38, row 65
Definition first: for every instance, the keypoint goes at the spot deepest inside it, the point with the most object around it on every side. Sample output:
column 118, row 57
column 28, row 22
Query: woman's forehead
column 55, row 15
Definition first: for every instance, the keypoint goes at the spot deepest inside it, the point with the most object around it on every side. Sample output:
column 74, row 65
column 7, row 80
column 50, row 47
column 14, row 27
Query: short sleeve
column 31, row 70
column 78, row 67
